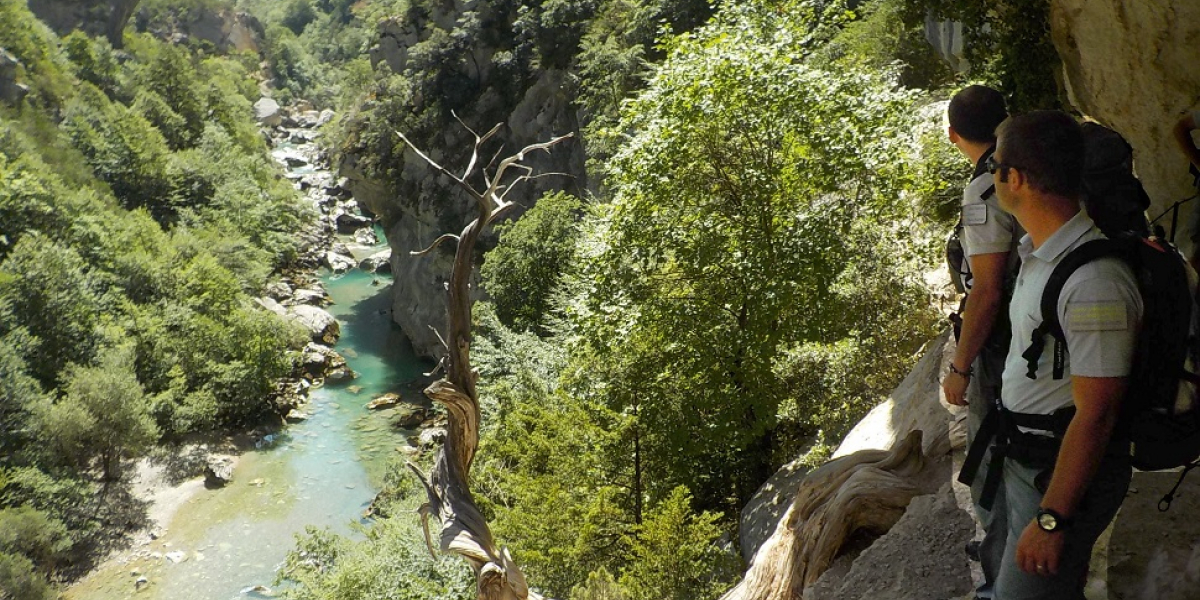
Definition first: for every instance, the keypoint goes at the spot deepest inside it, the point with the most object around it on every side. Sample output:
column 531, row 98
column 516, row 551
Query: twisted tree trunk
column 868, row 490
column 464, row 530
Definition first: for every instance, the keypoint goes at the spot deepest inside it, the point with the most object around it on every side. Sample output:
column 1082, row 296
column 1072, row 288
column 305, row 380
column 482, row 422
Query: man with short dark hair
column 988, row 237
column 1063, row 488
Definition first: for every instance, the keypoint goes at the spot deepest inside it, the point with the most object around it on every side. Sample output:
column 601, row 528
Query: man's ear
column 952, row 134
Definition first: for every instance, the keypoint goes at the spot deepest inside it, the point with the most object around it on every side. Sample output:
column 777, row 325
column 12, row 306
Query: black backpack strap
column 1001, row 432
column 1078, row 257
column 988, row 192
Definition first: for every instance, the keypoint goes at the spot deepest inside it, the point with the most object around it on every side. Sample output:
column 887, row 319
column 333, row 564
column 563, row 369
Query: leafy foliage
column 393, row 564
column 139, row 211
column 733, row 220
column 524, row 269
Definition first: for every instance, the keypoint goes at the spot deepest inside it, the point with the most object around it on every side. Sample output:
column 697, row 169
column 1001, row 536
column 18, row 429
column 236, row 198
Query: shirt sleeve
column 1100, row 311
column 986, row 228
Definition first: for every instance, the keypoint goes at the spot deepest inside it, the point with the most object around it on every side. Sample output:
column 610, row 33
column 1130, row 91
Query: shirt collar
column 1064, row 238
column 980, row 165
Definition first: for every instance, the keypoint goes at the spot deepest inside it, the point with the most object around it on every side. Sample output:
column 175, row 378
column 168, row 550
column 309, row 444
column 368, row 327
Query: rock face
column 227, row 30
column 11, row 92
column 418, row 206
column 1134, row 67
column 96, row 17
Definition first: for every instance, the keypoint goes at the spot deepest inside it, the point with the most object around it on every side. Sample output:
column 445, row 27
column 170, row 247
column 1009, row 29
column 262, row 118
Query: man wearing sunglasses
column 1060, row 504
column 988, row 237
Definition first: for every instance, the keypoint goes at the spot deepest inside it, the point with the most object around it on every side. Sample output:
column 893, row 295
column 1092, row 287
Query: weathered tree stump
column 865, row 491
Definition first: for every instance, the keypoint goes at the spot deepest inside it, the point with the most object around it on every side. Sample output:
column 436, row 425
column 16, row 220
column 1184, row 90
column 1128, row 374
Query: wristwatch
column 1050, row 521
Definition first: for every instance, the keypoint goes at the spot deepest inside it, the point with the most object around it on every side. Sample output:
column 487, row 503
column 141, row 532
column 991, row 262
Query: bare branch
column 435, row 244
column 424, row 510
column 440, row 366
column 501, row 212
column 439, row 168
column 516, row 159
column 454, row 113
column 440, row 339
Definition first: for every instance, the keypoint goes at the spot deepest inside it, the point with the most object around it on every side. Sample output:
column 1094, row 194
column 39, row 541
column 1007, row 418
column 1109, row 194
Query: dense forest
column 741, row 276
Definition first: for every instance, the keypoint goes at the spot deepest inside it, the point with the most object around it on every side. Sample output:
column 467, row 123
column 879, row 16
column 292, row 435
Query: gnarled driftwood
column 865, row 491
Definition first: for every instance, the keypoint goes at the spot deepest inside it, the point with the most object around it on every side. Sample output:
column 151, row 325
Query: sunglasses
column 992, row 165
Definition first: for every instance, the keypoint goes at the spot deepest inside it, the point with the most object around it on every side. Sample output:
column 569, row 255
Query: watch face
column 1047, row 521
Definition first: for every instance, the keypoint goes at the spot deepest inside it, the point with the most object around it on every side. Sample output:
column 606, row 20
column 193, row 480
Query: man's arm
column 1097, row 406
column 1183, row 137
column 978, row 317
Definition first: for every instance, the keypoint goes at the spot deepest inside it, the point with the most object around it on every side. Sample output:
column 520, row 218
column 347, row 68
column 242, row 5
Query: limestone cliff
column 1136, row 67
column 96, row 17
column 227, row 30
column 477, row 82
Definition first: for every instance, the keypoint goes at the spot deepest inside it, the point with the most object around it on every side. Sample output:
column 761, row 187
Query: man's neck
column 975, row 150
column 1045, row 215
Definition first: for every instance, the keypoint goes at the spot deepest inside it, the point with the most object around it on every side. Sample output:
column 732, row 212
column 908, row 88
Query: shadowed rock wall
column 1135, row 66
column 95, row 17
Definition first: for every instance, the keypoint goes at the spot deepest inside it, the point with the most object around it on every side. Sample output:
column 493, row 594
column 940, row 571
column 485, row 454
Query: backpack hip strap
column 1001, row 432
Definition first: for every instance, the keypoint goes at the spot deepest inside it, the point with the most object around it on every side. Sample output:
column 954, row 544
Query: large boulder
column 338, row 263
column 380, row 262
column 321, row 325
column 1134, row 67
column 218, row 471
column 267, row 112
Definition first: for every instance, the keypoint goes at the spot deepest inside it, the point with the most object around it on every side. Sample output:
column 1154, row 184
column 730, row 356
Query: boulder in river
column 380, row 262
column 348, row 223
column 267, row 112
column 321, row 325
column 338, row 263
column 309, row 296
column 384, row 401
column 408, row 416
column 320, row 360
column 366, row 236
column 218, row 471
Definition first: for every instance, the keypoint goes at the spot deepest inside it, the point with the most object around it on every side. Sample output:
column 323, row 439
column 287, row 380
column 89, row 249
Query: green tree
column 34, row 534
column 103, row 415
column 50, row 294
column 523, row 270
column 733, row 208
column 18, row 392
column 19, row 579
column 676, row 556
column 124, row 150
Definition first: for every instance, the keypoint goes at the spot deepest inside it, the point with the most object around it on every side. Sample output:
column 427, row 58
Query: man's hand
column 955, row 388
column 1039, row 551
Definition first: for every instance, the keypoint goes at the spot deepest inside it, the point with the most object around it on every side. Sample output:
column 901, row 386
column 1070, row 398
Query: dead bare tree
column 464, row 530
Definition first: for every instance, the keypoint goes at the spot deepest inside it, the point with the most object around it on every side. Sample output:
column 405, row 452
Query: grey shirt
column 1100, row 310
column 986, row 228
